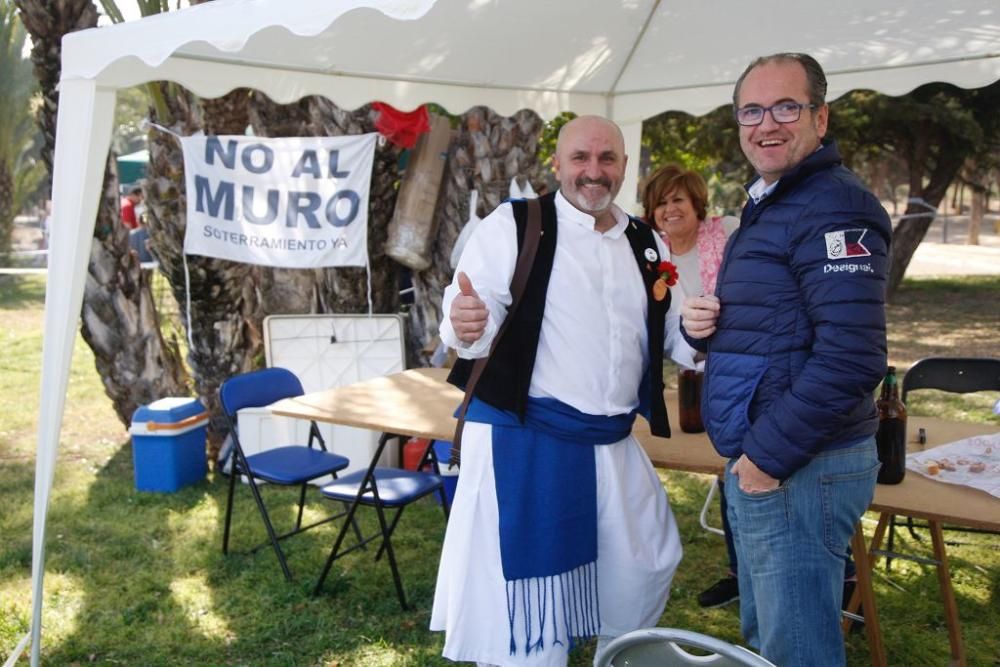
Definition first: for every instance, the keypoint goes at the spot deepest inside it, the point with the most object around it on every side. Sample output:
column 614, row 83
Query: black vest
column 507, row 377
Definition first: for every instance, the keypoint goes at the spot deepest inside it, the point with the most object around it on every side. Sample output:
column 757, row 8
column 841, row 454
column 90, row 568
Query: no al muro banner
column 292, row 202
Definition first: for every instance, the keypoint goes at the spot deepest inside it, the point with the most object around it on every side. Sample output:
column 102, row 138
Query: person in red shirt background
column 128, row 204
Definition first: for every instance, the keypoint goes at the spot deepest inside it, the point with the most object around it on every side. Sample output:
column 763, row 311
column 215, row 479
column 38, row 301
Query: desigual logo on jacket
column 841, row 245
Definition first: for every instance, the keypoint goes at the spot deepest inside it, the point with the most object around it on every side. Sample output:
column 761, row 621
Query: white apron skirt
column 638, row 551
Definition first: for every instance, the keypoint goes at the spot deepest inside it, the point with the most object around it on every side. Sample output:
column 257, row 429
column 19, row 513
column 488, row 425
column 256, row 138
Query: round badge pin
column 651, row 255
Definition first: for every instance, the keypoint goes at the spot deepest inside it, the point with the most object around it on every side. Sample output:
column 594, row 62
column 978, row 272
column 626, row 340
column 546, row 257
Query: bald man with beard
column 560, row 528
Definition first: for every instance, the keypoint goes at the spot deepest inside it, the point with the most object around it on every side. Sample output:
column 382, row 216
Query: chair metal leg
column 272, row 536
column 445, row 505
column 296, row 531
column 357, row 529
column 370, row 485
column 354, row 522
column 889, row 553
column 392, row 529
column 348, row 521
column 302, row 504
column 387, row 544
column 399, row 513
column 229, row 507
column 703, row 516
column 910, row 526
column 889, row 543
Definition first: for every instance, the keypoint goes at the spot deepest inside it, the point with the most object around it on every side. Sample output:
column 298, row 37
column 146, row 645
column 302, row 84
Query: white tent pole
column 628, row 196
column 83, row 136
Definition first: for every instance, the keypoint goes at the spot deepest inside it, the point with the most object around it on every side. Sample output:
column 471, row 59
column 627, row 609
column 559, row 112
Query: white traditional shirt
column 592, row 346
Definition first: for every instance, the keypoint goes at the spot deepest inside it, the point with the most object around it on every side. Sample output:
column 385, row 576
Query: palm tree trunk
column 223, row 323
column 488, row 151
column 339, row 290
column 289, row 291
column 345, row 290
column 229, row 300
column 118, row 320
column 47, row 21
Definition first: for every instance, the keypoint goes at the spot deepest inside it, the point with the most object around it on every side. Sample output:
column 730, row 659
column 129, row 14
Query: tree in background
column 229, row 300
column 875, row 162
column 978, row 173
column 20, row 172
column 935, row 130
column 131, row 108
column 547, row 147
column 707, row 144
column 926, row 141
column 977, row 177
column 119, row 320
column 487, row 151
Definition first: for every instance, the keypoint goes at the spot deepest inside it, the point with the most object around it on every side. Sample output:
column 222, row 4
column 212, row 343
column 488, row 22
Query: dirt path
column 936, row 258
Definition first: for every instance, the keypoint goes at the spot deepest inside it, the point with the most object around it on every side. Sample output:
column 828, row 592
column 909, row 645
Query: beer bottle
column 891, row 436
column 689, row 400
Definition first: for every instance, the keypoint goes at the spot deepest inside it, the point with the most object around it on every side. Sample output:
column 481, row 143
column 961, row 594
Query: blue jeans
column 792, row 546
column 734, row 562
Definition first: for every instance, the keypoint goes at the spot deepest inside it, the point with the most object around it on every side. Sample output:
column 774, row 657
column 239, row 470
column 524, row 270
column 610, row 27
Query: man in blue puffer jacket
column 796, row 335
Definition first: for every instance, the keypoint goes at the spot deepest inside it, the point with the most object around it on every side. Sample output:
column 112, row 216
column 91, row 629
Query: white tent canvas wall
column 628, row 60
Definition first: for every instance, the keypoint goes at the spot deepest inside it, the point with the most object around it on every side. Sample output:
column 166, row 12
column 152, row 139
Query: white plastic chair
column 663, row 647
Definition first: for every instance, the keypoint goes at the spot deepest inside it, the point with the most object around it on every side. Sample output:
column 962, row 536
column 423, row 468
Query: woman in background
column 676, row 206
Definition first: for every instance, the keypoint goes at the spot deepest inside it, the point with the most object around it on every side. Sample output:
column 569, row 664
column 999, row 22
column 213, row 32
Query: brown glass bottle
column 689, row 400
column 891, row 436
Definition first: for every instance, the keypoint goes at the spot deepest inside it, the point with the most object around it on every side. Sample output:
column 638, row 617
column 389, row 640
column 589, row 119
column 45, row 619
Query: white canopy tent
column 627, row 60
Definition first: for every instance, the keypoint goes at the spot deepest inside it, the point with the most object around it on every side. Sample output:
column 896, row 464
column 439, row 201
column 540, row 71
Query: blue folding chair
column 288, row 465
column 384, row 489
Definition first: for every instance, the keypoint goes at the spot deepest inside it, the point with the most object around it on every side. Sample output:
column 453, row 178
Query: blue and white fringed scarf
column 546, row 484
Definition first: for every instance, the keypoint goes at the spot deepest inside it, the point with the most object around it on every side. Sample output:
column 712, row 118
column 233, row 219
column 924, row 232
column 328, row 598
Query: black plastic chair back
column 960, row 375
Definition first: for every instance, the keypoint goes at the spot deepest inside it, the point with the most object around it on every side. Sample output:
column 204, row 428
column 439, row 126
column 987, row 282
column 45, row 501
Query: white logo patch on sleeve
column 846, row 244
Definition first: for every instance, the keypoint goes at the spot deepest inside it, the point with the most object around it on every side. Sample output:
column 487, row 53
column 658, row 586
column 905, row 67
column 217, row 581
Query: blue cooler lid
column 170, row 410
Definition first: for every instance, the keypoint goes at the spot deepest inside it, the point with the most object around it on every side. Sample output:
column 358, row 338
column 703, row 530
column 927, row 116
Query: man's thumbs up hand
column 465, row 285
column 468, row 312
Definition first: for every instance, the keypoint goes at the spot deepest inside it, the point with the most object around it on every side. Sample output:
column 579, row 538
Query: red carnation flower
column 668, row 273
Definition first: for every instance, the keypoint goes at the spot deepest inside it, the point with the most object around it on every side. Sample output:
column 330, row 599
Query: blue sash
column 546, row 485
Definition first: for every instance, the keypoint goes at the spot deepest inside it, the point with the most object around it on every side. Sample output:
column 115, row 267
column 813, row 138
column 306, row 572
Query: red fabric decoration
column 402, row 128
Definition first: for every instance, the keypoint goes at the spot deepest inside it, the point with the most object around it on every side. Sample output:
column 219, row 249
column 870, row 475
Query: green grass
column 136, row 578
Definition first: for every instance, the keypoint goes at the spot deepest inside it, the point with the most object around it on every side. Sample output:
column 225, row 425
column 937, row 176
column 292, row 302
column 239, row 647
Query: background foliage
column 21, row 171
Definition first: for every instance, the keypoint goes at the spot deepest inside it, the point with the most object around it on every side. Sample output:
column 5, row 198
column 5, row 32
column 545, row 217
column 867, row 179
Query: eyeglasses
column 782, row 112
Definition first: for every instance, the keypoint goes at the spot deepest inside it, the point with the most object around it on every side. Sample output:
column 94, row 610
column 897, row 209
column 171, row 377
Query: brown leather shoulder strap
column 525, row 260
